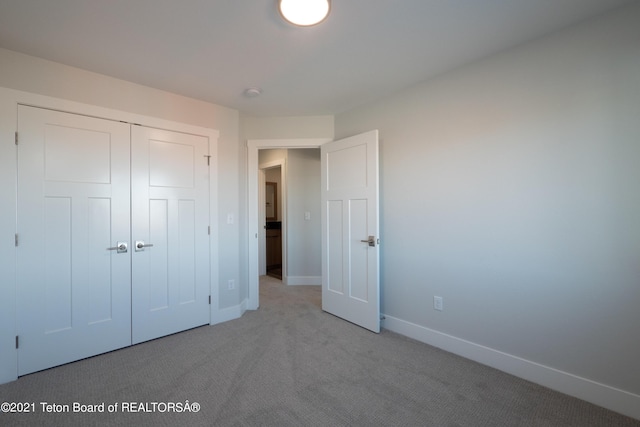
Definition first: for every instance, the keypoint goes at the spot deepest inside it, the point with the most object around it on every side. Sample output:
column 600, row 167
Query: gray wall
column 304, row 245
column 286, row 127
column 30, row 74
column 510, row 187
column 304, row 259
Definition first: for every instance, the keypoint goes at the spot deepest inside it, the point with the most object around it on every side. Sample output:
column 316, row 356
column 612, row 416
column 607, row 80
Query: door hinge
column 208, row 159
column 17, row 342
column 16, row 137
column 209, row 299
column 16, row 239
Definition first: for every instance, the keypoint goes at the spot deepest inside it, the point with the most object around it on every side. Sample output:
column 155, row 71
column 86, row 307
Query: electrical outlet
column 438, row 303
column 231, row 284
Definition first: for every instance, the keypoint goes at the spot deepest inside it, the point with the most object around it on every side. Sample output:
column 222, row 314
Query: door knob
column 371, row 241
column 140, row 245
column 121, row 248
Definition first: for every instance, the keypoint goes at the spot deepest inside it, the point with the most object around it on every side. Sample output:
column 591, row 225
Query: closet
column 113, row 223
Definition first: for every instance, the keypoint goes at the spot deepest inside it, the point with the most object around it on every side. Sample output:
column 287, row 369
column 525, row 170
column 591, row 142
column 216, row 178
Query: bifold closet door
column 74, row 288
column 170, row 232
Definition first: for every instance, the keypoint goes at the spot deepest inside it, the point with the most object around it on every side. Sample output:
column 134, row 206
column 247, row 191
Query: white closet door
column 170, row 210
column 73, row 294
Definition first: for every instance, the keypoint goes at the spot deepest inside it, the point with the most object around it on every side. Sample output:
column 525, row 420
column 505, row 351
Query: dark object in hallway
column 274, row 249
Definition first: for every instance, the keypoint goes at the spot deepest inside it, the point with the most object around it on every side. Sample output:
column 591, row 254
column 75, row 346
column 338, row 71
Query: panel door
column 170, row 211
column 73, row 293
column 350, row 252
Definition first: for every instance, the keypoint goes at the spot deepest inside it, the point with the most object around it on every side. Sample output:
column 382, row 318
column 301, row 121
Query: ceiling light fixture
column 304, row 13
column 252, row 92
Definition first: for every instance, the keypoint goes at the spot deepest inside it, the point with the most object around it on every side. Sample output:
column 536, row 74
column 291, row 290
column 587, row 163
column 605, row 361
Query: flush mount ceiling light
column 304, row 13
column 252, row 92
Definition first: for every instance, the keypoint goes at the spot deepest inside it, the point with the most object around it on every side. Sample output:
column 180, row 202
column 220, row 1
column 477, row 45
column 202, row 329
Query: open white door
column 350, row 230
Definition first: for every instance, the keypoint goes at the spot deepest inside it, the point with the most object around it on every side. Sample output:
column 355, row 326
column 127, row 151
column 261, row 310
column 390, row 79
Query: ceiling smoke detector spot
column 252, row 92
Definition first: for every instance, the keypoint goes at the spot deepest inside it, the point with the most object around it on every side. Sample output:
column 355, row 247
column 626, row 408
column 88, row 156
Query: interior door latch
column 371, row 241
column 121, row 248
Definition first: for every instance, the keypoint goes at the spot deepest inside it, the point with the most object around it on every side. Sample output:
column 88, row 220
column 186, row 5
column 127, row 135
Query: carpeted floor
column 290, row 364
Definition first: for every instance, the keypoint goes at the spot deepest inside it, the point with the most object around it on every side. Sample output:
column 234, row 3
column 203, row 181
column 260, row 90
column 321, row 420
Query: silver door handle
column 140, row 245
column 121, row 248
column 371, row 241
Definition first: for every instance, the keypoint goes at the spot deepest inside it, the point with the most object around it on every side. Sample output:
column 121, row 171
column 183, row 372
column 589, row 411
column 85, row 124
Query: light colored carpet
column 290, row 364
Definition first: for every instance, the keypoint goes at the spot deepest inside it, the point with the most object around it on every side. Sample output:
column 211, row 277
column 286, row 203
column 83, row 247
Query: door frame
column 282, row 196
column 253, row 146
column 262, row 233
column 9, row 101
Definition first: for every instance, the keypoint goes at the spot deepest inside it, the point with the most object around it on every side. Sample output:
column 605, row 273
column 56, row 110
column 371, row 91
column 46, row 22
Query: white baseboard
column 229, row 313
column 617, row 400
column 303, row 280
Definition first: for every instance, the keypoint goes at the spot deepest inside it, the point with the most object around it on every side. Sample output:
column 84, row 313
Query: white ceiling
column 214, row 49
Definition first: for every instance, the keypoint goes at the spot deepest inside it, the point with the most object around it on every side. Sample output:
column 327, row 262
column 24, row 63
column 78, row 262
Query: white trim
column 42, row 101
column 8, row 173
column 229, row 313
column 262, row 215
column 599, row 394
column 304, row 280
column 253, row 145
column 272, row 164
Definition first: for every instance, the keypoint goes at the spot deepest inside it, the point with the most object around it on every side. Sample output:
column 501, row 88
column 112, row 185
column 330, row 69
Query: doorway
column 349, row 224
column 273, row 223
column 290, row 215
column 272, row 214
column 255, row 226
